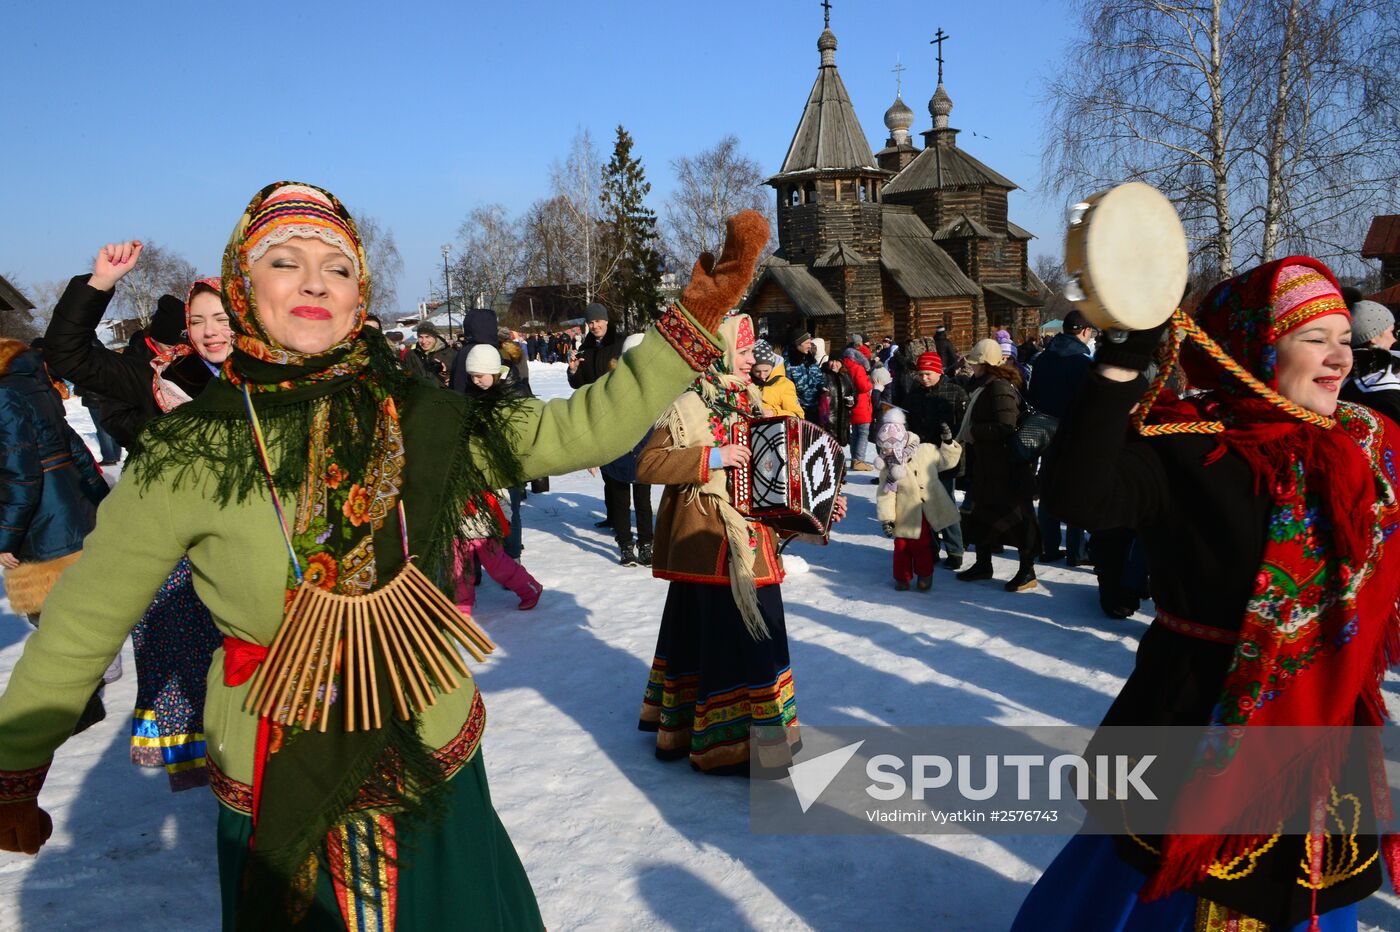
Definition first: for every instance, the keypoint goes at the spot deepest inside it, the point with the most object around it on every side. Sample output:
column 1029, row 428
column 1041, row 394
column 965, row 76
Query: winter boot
column 531, row 597
column 925, row 583
column 604, row 525
column 644, row 553
column 980, row 569
column 901, row 585
column 1024, row 578
column 627, row 554
column 954, row 561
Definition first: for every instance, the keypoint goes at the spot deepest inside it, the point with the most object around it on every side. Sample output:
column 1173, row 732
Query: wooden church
column 900, row 241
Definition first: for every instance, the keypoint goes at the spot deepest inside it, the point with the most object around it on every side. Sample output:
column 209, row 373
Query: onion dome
column 899, row 116
column 939, row 107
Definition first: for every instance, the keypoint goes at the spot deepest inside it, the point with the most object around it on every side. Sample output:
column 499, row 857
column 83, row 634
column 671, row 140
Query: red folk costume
column 1319, row 624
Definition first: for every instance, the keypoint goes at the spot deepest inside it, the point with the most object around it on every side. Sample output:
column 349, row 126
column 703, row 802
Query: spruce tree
column 634, row 285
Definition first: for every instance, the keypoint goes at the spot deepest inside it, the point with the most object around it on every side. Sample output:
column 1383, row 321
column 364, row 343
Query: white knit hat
column 483, row 359
column 1368, row 321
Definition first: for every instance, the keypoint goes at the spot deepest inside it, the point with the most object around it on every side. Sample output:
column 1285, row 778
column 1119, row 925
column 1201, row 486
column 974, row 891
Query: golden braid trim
column 1181, row 323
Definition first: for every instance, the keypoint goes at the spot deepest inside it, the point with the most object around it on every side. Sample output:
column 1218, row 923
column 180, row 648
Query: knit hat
column 819, row 349
column 930, row 362
column 595, row 311
column 483, row 359
column 879, row 377
column 896, row 445
column 297, row 210
column 633, row 341
column 1368, row 321
column 429, row 328
column 986, row 351
column 1302, row 293
column 763, row 354
column 168, row 322
column 801, row 338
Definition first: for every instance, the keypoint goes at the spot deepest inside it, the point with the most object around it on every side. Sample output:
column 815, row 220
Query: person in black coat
column 600, row 349
column 124, row 379
column 594, row 359
column 479, row 327
column 430, row 357
column 947, row 351
column 1375, row 372
column 1059, row 372
column 934, row 402
column 1000, row 486
column 1226, row 548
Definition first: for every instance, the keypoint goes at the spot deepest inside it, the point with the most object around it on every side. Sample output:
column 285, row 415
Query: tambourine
column 1126, row 257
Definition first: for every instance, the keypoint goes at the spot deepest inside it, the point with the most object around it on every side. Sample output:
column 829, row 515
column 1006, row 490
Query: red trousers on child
column 914, row 557
column 499, row 566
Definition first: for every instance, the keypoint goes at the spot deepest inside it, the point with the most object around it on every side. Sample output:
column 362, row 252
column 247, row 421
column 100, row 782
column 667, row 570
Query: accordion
column 794, row 474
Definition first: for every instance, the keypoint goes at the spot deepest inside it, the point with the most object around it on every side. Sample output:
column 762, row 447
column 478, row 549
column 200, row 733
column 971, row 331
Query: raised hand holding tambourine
column 1126, row 258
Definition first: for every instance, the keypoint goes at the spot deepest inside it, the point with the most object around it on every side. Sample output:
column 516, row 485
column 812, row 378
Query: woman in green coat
column 318, row 473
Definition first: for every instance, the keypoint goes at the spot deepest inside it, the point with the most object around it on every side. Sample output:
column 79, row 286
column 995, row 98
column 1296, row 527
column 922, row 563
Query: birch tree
column 1272, row 124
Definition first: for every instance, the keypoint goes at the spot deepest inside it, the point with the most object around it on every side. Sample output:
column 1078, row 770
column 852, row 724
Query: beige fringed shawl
column 688, row 422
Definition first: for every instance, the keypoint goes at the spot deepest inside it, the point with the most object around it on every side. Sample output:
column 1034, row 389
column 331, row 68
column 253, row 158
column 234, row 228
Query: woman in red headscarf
column 1265, row 507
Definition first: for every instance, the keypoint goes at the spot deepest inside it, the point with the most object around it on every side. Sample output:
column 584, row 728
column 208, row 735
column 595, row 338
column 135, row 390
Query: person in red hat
column 935, row 402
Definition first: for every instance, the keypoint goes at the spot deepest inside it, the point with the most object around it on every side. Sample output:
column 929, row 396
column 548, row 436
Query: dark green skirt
column 459, row 873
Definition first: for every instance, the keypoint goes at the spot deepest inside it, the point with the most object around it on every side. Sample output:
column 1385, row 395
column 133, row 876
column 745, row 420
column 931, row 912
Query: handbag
column 1034, row 431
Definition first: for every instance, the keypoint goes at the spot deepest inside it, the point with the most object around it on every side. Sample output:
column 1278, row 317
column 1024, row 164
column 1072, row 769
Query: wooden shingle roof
column 798, row 284
column 839, row 255
column 939, row 167
column 828, row 135
column 963, row 227
column 918, row 266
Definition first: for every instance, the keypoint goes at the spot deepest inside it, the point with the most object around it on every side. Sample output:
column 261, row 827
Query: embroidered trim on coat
column 688, row 338
column 21, row 785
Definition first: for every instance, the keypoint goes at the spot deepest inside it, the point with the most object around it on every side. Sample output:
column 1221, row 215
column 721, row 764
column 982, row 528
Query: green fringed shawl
column 451, row 445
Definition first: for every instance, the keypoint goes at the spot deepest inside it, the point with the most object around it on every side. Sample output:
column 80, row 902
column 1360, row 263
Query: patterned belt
column 1192, row 630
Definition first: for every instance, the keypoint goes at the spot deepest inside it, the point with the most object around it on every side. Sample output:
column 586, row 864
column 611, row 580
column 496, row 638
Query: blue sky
column 159, row 119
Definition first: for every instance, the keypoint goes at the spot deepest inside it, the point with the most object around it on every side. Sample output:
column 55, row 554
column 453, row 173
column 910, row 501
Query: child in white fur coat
column 912, row 504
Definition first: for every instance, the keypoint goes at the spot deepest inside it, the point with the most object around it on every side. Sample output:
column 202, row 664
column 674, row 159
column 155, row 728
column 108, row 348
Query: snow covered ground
column 611, row 837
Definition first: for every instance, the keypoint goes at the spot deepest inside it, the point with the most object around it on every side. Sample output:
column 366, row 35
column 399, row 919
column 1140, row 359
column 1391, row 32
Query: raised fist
column 716, row 286
column 113, row 262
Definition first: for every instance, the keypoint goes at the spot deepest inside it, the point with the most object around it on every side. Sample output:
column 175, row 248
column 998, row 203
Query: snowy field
column 611, row 837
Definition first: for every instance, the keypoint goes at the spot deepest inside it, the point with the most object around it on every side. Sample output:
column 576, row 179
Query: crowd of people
column 283, row 450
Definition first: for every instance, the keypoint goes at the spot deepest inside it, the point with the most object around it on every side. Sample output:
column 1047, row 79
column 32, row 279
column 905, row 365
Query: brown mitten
column 24, row 827
column 716, row 287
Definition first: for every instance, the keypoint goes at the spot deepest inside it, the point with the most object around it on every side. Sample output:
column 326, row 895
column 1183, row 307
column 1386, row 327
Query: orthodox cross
column 898, row 70
column 938, row 39
column 826, row 13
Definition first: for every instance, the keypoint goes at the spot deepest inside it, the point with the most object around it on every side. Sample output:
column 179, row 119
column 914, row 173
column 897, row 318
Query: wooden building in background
column 899, row 242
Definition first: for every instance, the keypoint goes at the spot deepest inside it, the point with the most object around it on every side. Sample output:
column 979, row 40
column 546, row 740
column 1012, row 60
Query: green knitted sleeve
column 602, row 421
